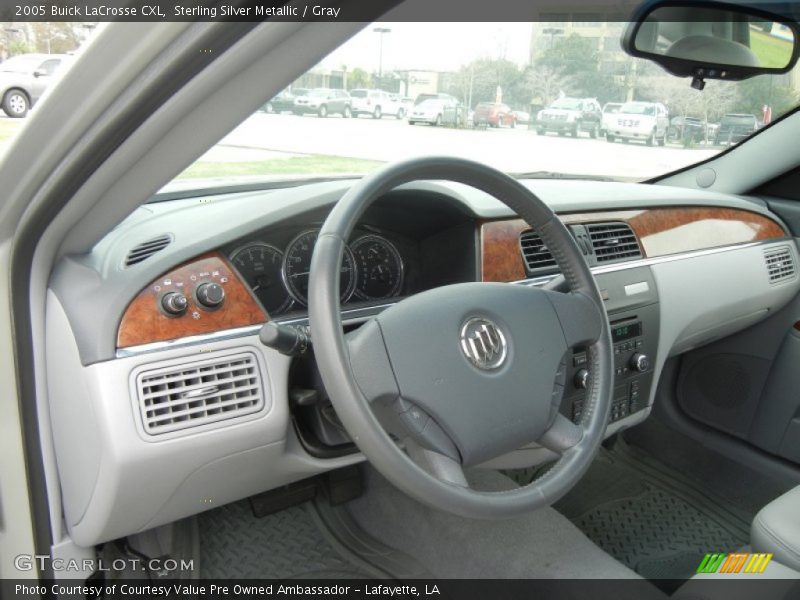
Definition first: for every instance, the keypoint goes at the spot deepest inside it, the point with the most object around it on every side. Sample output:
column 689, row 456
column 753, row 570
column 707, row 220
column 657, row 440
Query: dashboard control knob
column 174, row 303
column 581, row 379
column 640, row 362
column 210, row 295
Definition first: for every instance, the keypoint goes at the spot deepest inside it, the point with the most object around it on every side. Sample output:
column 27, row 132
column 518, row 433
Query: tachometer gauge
column 260, row 265
column 297, row 263
column 380, row 268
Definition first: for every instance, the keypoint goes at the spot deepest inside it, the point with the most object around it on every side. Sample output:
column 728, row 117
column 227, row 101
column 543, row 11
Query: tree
column 579, row 59
column 756, row 92
column 358, row 78
column 545, row 83
column 479, row 80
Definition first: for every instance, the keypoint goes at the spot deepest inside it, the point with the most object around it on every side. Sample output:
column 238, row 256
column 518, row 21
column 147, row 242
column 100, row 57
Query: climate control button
column 640, row 362
column 210, row 295
column 174, row 303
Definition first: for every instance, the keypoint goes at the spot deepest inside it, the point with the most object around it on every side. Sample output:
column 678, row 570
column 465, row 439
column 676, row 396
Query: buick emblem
column 483, row 343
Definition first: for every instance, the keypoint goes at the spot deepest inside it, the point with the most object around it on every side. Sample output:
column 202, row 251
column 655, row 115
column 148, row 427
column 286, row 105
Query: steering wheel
column 455, row 376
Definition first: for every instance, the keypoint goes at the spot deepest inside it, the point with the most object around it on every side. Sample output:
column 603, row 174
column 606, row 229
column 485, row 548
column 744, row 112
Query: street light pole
column 381, row 31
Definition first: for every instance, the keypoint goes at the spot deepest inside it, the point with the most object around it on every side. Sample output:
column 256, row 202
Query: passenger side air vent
column 780, row 264
column 146, row 249
column 613, row 242
column 534, row 252
column 198, row 393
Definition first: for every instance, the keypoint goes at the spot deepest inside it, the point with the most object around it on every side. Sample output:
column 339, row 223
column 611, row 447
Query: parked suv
column 376, row 103
column 570, row 115
column 687, row 128
column 609, row 110
column 734, row 127
column 493, row 114
column 324, row 102
column 23, row 80
column 644, row 121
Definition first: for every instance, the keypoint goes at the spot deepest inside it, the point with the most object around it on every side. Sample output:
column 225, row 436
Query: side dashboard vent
column 613, row 241
column 780, row 264
column 145, row 250
column 534, row 252
column 199, row 393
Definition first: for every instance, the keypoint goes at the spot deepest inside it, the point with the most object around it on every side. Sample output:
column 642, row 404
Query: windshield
column 739, row 120
column 451, row 72
column 636, row 108
column 567, row 104
column 21, row 64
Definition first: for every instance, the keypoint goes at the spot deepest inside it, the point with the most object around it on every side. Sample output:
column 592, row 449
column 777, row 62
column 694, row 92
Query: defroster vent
column 613, row 241
column 199, row 392
column 145, row 250
column 535, row 253
column 780, row 264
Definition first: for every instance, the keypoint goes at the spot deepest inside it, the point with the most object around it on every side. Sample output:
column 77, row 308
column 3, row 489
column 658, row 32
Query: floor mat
column 650, row 518
column 289, row 544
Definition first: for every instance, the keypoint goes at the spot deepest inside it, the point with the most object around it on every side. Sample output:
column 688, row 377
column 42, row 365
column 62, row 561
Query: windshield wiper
column 557, row 175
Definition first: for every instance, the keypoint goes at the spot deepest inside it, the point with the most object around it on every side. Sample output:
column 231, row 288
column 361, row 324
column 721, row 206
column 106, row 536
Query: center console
column 631, row 301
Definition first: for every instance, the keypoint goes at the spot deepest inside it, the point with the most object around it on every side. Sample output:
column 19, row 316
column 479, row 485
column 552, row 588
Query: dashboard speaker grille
column 780, row 264
column 534, row 252
column 199, row 393
column 613, row 241
column 145, row 250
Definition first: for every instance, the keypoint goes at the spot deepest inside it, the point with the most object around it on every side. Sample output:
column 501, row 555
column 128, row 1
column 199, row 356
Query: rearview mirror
column 712, row 41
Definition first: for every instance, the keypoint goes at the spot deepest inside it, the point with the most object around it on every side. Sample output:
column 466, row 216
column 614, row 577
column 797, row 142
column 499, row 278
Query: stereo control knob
column 174, row 303
column 210, row 295
column 640, row 362
column 581, row 379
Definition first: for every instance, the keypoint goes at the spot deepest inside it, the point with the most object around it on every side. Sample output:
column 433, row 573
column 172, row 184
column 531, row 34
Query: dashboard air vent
column 199, row 393
column 613, row 241
column 145, row 250
column 780, row 264
column 535, row 253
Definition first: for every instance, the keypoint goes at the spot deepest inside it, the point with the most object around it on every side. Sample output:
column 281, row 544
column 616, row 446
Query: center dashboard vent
column 199, row 393
column 780, row 264
column 613, row 241
column 145, row 250
column 534, row 252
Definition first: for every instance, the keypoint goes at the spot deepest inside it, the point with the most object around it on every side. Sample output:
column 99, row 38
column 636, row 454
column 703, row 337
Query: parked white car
column 610, row 110
column 431, row 111
column 644, row 121
column 376, row 103
column 23, row 80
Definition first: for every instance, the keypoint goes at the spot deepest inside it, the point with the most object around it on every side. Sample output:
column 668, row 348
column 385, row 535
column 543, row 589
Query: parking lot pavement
column 512, row 150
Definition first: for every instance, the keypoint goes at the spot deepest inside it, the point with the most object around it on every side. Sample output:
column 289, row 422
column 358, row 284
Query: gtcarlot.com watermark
column 161, row 567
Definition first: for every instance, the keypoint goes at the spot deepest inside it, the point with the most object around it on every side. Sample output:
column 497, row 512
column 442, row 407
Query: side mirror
column 715, row 41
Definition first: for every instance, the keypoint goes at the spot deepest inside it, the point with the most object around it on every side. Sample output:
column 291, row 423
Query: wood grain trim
column 661, row 231
column 144, row 322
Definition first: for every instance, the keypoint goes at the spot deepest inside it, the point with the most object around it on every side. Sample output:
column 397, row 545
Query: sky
column 432, row 46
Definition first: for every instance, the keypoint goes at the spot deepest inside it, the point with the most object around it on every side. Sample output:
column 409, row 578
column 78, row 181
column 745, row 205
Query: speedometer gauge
column 260, row 266
column 297, row 264
column 380, row 268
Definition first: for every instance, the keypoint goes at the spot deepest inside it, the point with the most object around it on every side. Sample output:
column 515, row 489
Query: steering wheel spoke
column 562, row 435
column 444, row 468
column 580, row 317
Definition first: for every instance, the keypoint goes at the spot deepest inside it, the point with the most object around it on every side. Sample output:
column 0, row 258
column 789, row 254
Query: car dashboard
column 164, row 403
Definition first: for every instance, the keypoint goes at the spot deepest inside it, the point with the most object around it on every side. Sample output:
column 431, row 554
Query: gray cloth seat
column 776, row 529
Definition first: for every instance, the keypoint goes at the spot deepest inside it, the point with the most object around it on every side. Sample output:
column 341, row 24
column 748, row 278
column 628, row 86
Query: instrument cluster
column 372, row 269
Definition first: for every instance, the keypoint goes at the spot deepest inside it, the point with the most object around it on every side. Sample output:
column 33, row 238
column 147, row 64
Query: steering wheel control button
column 581, row 379
column 174, row 304
column 640, row 362
column 483, row 343
column 210, row 295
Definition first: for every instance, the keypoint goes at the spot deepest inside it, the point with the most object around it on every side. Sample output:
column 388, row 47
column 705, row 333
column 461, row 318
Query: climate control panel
column 634, row 337
column 204, row 295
